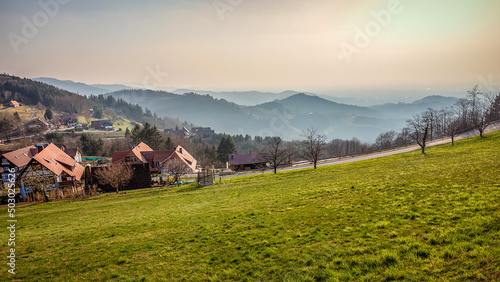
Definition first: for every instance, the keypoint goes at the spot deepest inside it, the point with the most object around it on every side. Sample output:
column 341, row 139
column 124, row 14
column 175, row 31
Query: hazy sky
column 305, row 45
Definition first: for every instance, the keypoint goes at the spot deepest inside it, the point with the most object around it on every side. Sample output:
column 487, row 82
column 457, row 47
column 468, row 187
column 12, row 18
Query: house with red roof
column 143, row 154
column 14, row 104
column 52, row 167
column 16, row 160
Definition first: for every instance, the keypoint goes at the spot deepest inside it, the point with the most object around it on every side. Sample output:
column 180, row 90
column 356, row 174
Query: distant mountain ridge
column 401, row 110
column 312, row 103
column 82, row 88
column 287, row 117
column 244, row 98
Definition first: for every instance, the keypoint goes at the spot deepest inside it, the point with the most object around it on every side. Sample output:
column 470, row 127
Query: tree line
column 476, row 111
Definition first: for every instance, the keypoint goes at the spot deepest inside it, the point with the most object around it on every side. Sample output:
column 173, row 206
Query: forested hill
column 30, row 92
column 286, row 117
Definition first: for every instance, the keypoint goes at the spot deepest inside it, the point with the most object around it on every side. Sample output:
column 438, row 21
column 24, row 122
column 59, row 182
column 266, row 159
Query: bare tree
column 276, row 153
column 481, row 117
column 116, row 175
column 312, row 147
column 418, row 129
column 385, row 140
column 481, row 108
column 462, row 108
column 451, row 122
column 431, row 115
column 177, row 167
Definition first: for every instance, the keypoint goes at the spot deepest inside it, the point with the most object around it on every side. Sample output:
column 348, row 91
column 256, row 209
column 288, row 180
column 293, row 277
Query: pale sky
column 304, row 45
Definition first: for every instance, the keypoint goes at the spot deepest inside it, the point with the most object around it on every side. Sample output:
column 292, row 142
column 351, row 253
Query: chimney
column 40, row 147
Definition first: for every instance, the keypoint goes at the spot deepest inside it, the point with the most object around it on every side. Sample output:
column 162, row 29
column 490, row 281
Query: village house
column 14, row 104
column 74, row 153
column 37, row 123
column 143, row 154
column 51, row 169
column 106, row 125
column 179, row 132
column 16, row 160
column 246, row 161
column 68, row 120
column 202, row 131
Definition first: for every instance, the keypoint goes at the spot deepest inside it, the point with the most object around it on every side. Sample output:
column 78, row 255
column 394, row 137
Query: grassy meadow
column 404, row 217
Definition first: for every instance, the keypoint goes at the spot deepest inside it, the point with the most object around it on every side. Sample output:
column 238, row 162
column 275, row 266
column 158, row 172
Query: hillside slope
column 408, row 217
column 41, row 95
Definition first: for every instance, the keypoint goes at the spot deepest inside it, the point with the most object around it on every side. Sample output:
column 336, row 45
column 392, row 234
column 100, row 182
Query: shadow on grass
column 189, row 189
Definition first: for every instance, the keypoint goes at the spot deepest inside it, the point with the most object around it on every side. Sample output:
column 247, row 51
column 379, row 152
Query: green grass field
column 25, row 112
column 408, row 217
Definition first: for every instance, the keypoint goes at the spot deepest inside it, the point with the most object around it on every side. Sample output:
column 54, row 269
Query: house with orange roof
column 185, row 157
column 16, row 160
column 51, row 168
column 143, row 154
column 14, row 104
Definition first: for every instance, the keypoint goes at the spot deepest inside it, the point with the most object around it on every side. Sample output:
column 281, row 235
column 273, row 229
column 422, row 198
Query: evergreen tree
column 220, row 150
column 48, row 114
column 90, row 146
column 17, row 117
column 54, row 137
column 169, row 144
column 495, row 111
column 147, row 134
column 127, row 133
column 226, row 147
column 98, row 113
column 136, row 134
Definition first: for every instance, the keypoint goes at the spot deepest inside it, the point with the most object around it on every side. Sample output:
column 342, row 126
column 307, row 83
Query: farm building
column 246, row 161
column 102, row 125
column 14, row 104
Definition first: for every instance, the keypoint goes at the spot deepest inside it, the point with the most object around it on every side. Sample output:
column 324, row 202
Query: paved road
column 32, row 113
column 301, row 165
